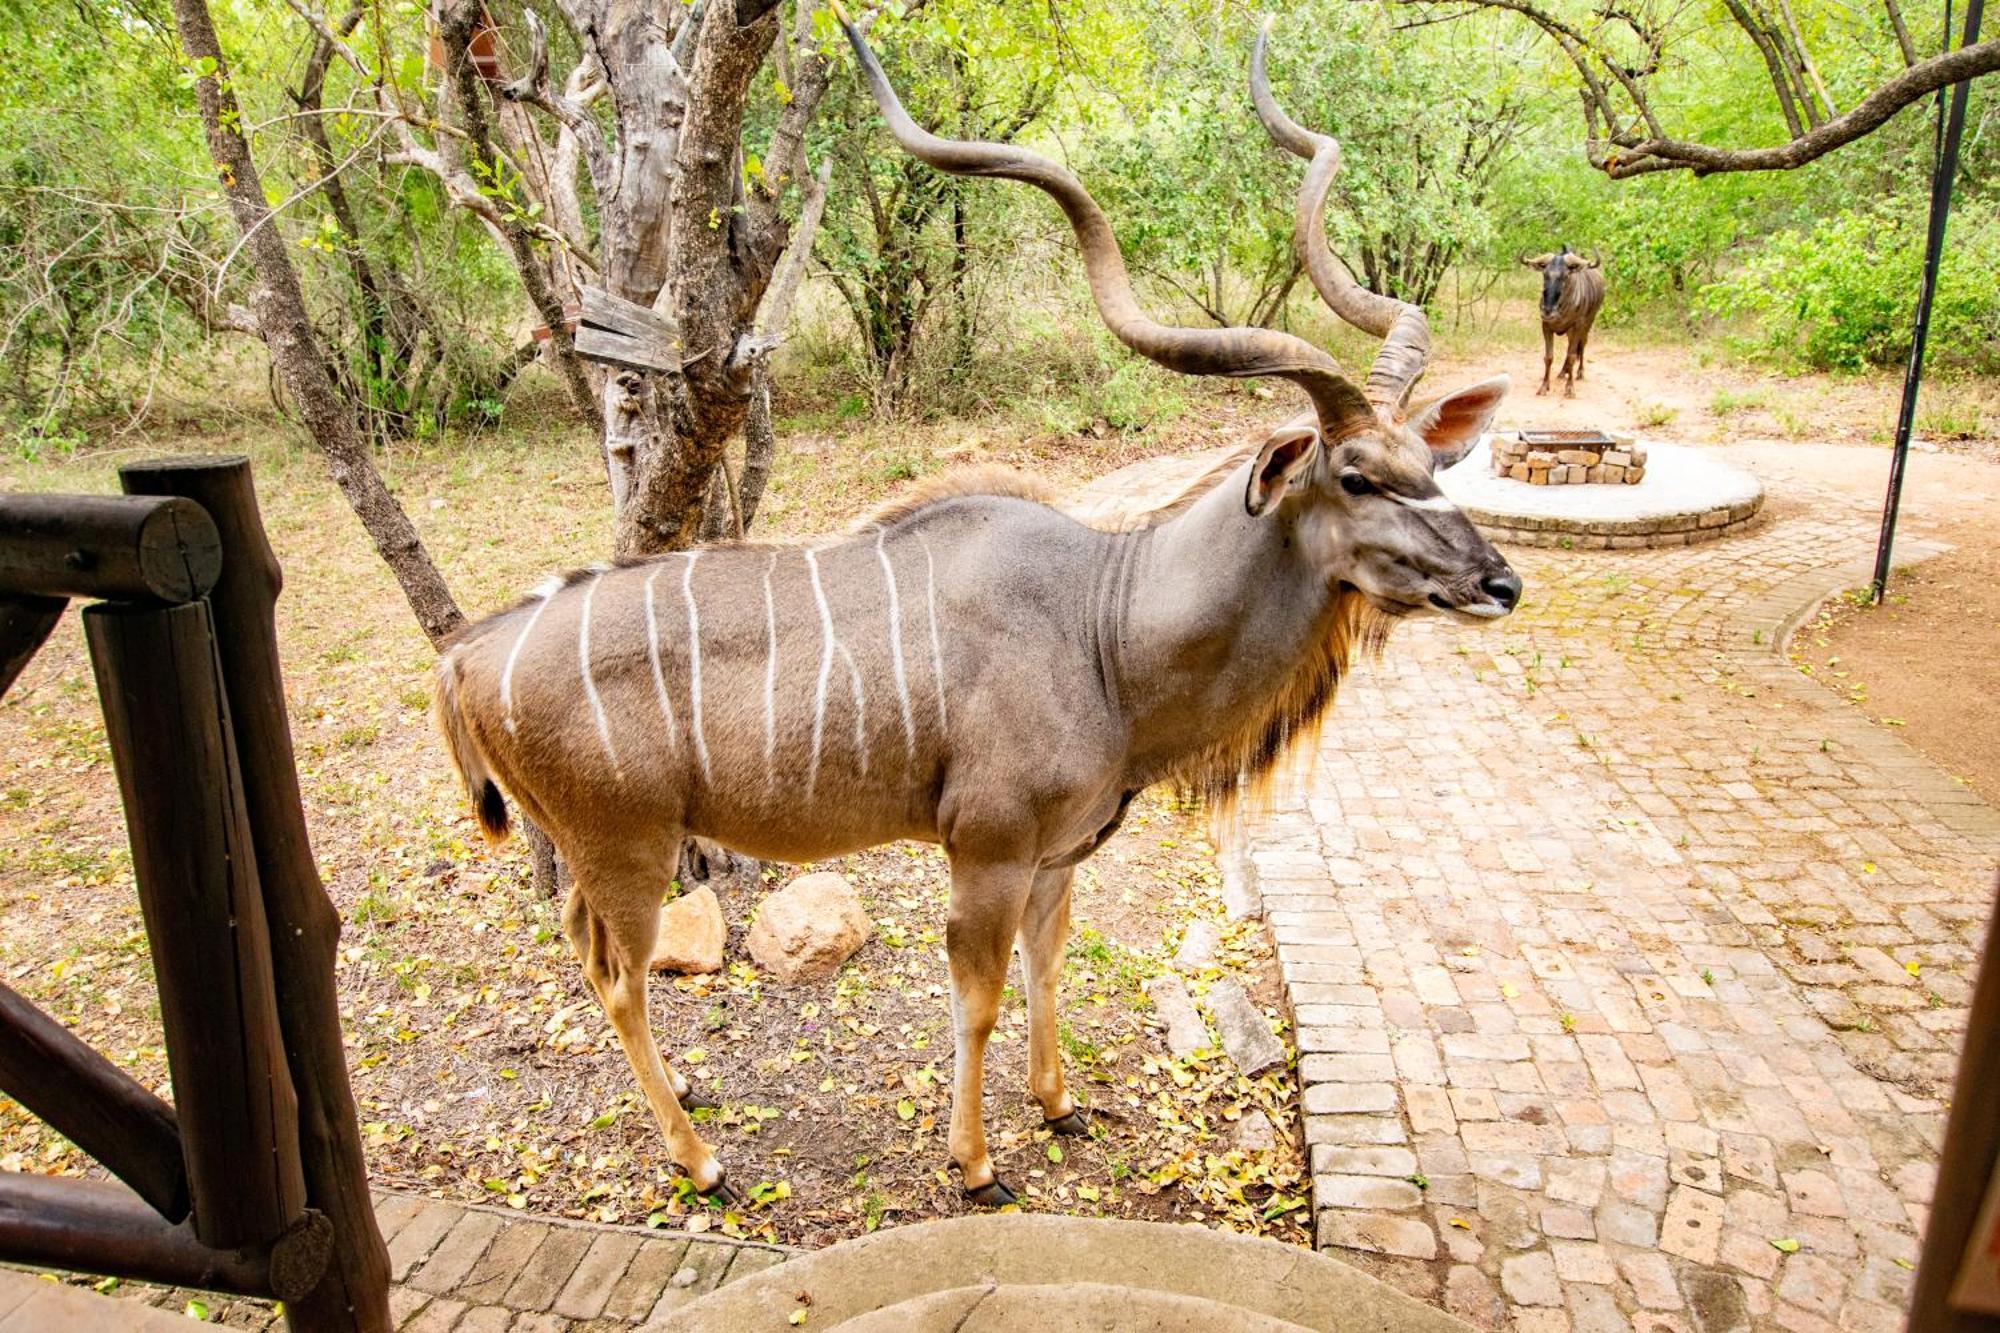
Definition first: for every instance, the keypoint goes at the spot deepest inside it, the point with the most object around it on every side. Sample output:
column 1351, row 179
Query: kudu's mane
column 1241, row 769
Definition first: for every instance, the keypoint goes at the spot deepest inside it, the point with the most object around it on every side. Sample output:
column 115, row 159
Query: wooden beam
column 1971, row 1147
column 167, row 722
column 25, row 625
column 124, row 547
column 90, row 1226
column 92, row 1103
column 304, row 928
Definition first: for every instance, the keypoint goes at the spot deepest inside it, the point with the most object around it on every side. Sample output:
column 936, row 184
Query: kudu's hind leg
column 611, row 918
column 1044, row 931
column 986, row 906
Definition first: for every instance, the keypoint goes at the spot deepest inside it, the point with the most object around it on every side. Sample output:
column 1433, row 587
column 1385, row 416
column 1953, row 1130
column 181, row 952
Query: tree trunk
column 295, row 352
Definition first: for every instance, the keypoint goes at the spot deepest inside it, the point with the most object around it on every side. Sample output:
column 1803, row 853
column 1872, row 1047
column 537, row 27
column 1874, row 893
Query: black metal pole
column 1944, row 171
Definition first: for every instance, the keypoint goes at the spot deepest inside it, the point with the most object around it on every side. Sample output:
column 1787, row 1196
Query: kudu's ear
column 1452, row 424
column 1287, row 454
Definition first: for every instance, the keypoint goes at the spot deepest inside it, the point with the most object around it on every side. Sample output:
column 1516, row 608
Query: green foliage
column 1840, row 294
column 1203, row 200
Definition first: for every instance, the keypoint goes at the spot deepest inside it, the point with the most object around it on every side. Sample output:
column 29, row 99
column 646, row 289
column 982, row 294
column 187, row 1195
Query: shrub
column 1841, row 294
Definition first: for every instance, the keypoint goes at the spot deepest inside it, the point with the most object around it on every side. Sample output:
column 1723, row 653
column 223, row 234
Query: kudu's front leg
column 987, row 899
column 1044, row 930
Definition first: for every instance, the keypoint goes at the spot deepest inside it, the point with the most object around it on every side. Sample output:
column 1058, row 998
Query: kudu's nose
column 1504, row 587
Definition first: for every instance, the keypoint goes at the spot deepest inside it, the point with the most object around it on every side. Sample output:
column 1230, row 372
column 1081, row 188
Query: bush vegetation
column 931, row 295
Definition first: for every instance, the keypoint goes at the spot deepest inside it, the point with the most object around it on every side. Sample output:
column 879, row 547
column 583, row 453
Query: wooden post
column 1971, row 1146
column 168, row 726
column 93, row 1104
column 89, row 1226
column 304, row 928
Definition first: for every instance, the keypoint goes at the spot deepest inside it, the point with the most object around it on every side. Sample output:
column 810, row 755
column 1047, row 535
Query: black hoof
column 693, row 1100
column 723, row 1192
column 992, row 1195
column 1071, row 1126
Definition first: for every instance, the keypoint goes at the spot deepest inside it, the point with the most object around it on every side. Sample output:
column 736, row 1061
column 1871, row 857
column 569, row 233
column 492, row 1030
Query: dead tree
column 279, row 308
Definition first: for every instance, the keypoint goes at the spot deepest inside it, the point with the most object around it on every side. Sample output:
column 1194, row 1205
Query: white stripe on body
column 860, row 706
column 590, row 681
column 694, row 667
column 896, row 649
column 937, row 643
column 770, row 677
column 545, row 593
column 825, row 668
column 653, row 655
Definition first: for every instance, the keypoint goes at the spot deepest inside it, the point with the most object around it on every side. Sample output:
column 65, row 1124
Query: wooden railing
column 253, row 1181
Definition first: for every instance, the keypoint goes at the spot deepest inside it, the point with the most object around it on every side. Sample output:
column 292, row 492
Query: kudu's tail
column 488, row 806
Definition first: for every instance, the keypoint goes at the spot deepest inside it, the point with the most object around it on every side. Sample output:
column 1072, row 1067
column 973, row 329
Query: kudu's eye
column 1355, row 484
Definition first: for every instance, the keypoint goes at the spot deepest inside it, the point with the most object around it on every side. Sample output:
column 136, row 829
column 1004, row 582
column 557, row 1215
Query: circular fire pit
column 1685, row 496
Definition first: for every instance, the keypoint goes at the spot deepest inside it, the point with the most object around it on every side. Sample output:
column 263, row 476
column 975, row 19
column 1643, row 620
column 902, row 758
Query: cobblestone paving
column 1628, row 965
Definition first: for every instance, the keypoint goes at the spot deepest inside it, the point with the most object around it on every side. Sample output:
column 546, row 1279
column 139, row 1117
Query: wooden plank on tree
column 616, row 349
column 92, row 1103
column 92, row 1226
column 624, row 333
column 25, row 625
column 126, row 547
column 167, row 721
column 605, row 311
column 304, row 928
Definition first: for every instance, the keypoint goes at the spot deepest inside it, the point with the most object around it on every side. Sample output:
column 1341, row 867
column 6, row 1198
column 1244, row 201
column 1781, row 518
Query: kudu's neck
column 1208, row 617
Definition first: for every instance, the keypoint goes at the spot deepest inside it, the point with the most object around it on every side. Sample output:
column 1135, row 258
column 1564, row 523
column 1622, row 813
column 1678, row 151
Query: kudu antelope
column 1572, row 292
column 972, row 667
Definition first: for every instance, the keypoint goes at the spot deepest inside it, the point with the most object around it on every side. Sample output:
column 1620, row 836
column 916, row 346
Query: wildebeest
column 1572, row 292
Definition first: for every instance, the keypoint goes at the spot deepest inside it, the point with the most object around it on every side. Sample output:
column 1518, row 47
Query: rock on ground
column 691, row 934
column 1255, row 1133
column 1186, row 1033
column 1246, row 1035
column 1198, row 946
column 1242, row 896
column 809, row 928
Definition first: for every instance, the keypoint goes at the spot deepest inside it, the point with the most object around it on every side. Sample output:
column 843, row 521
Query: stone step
column 1005, row 1251
column 30, row 1303
column 1077, row 1307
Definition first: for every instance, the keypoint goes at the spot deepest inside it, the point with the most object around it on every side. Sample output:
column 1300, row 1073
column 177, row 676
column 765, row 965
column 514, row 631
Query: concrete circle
column 1688, row 496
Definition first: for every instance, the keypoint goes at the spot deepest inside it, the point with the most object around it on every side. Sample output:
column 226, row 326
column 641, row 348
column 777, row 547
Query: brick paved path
column 1619, row 951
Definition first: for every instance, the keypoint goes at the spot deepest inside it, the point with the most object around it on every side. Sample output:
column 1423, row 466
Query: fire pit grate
column 1565, row 439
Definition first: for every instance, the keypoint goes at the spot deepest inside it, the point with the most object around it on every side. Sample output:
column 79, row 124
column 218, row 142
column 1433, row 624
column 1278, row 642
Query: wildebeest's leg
column 986, row 904
column 1548, row 357
column 1582, row 342
column 1572, row 360
column 1044, row 929
column 611, row 918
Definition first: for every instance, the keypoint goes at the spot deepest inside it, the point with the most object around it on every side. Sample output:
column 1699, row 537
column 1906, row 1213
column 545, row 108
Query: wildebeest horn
column 1237, row 352
column 1405, row 333
column 1538, row 261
